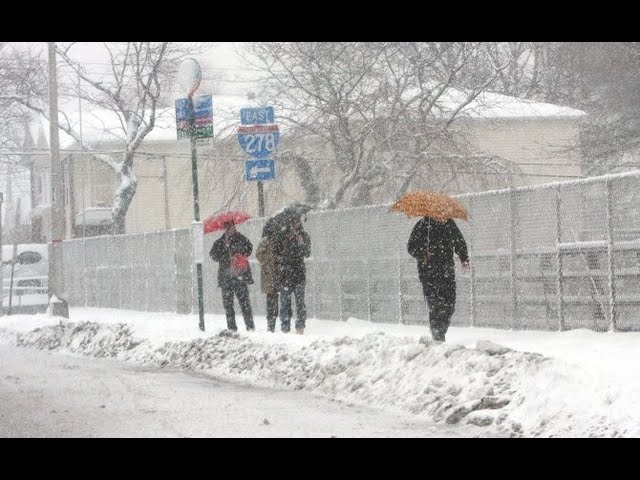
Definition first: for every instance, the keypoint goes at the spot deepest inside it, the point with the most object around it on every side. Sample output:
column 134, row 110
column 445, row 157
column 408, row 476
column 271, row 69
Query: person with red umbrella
column 231, row 251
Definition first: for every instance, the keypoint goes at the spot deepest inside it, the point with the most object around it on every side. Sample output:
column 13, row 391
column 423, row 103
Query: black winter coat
column 433, row 243
column 289, row 255
column 219, row 253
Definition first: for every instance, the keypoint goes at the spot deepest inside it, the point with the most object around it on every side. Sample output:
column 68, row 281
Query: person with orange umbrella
column 433, row 242
column 231, row 251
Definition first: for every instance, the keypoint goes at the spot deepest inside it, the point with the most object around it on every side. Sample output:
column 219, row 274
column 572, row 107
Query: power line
column 206, row 157
column 12, row 62
column 37, row 150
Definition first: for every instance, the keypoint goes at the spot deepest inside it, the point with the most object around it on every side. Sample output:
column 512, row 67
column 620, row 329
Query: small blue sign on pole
column 257, row 170
column 257, row 116
column 203, row 115
column 202, row 106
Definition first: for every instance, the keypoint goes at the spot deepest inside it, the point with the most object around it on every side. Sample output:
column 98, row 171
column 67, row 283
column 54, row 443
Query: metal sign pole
column 190, row 76
column 196, row 208
column 260, row 199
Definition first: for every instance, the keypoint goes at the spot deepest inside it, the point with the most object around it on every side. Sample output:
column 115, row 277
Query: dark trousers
column 272, row 310
column 440, row 295
column 285, row 307
column 240, row 290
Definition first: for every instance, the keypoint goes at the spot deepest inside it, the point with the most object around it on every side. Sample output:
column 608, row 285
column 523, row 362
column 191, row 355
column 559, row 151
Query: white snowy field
column 522, row 383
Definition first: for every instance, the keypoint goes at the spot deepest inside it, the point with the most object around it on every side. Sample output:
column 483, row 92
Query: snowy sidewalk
column 575, row 383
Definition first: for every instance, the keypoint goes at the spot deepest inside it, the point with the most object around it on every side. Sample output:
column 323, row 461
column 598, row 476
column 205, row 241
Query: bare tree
column 132, row 85
column 600, row 78
column 375, row 112
column 13, row 128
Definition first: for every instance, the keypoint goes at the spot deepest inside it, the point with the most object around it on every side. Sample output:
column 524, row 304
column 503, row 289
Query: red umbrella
column 217, row 222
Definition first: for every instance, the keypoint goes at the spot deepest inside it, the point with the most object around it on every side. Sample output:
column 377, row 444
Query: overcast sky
column 226, row 71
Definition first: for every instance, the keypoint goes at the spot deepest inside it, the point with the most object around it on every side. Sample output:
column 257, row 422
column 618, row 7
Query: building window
column 42, row 188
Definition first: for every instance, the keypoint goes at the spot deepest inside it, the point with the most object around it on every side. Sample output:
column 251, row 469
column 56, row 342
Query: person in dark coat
column 433, row 243
column 291, row 247
column 268, row 280
column 231, row 251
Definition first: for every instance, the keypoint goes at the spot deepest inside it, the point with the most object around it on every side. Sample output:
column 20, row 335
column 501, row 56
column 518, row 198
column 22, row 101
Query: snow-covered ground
column 575, row 383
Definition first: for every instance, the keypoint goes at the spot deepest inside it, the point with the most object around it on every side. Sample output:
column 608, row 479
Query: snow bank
column 520, row 393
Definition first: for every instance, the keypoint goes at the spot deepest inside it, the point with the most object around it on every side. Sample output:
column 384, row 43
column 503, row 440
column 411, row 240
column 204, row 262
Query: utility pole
column 57, row 304
column 84, row 169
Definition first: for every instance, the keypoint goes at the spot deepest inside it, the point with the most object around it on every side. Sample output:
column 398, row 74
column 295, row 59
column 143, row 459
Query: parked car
column 30, row 274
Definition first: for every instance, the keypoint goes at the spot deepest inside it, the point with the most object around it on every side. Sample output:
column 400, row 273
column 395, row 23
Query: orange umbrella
column 439, row 206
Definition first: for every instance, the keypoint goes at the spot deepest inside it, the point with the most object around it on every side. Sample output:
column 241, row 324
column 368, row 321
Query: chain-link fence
column 557, row 256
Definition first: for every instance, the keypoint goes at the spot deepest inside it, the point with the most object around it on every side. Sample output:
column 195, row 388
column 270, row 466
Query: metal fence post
column 472, row 272
column 194, row 294
column 400, row 312
column 610, row 265
column 175, row 270
column 368, row 264
column 146, row 272
column 314, row 264
column 512, row 257
column 84, row 270
column 132, row 299
column 340, row 288
column 559, row 277
column 106, row 288
column 120, row 272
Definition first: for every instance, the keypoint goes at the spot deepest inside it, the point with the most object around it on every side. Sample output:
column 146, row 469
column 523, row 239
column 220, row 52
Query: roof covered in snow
column 105, row 126
column 494, row 105
column 489, row 105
